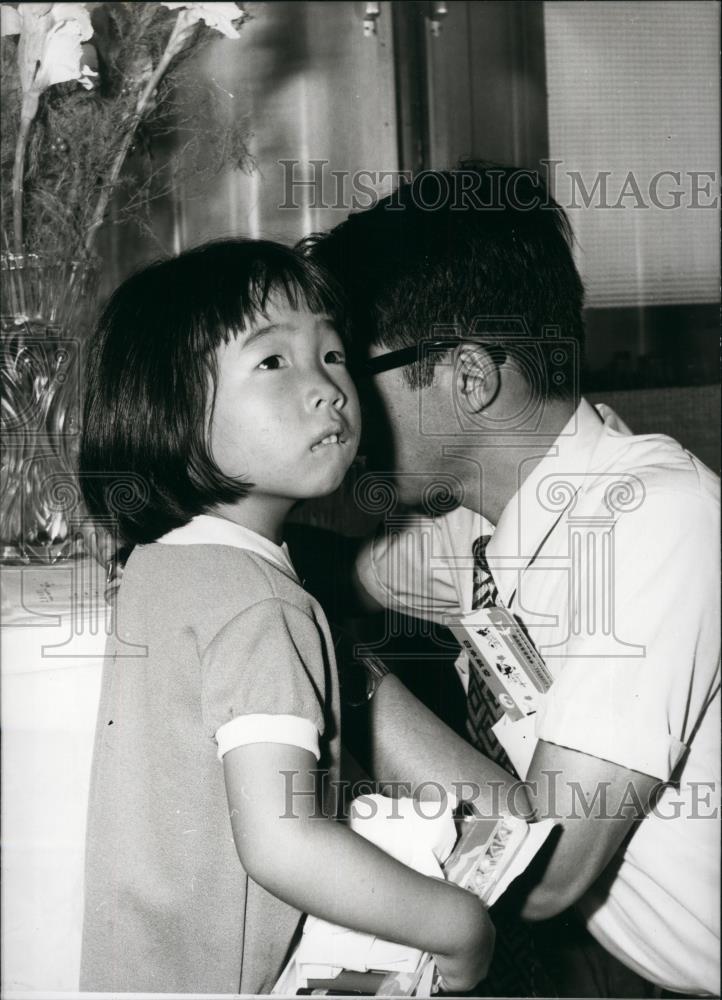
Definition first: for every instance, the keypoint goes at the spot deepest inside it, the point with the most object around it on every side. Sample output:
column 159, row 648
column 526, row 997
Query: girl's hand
column 469, row 965
column 321, row 867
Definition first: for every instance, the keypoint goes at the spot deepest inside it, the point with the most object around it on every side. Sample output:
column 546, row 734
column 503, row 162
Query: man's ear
column 477, row 377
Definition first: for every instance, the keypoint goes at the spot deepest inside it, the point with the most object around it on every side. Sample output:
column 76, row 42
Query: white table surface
column 53, row 634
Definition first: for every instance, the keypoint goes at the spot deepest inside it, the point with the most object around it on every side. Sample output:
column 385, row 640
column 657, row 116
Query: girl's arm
column 321, row 867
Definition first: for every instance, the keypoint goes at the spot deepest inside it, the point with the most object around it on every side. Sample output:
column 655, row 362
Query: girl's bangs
column 302, row 284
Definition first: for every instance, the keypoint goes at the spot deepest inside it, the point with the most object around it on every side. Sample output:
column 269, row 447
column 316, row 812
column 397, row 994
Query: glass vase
column 46, row 309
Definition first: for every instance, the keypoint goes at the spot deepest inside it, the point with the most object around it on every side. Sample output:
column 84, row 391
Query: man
column 466, row 315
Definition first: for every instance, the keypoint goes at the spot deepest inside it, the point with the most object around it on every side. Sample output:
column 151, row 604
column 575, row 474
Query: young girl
column 218, row 381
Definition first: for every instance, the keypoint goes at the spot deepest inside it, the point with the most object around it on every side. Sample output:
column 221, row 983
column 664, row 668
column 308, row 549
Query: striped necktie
column 483, row 710
column 485, row 594
column 515, row 969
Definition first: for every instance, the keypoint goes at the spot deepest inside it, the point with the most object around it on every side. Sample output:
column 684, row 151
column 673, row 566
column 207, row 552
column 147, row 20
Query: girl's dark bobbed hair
column 145, row 460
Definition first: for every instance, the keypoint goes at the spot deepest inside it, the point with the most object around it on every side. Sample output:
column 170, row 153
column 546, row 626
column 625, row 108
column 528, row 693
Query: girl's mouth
column 333, row 437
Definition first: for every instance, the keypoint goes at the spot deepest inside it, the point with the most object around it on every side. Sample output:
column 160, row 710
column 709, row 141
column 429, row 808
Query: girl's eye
column 334, row 358
column 271, row 363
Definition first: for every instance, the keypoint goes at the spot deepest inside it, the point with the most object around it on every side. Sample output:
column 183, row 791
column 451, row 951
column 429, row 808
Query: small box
column 484, row 852
column 505, row 659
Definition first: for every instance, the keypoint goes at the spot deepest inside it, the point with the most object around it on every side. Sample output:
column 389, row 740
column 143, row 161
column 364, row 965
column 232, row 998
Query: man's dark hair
column 483, row 249
column 151, row 377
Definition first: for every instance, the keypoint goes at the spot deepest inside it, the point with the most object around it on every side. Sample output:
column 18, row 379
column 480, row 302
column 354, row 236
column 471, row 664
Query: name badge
column 505, row 658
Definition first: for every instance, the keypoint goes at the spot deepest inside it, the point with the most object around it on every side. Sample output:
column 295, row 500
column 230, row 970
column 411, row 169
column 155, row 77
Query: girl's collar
column 206, row 529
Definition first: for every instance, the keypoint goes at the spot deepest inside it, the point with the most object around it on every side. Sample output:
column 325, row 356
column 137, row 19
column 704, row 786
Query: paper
column 491, row 853
column 537, row 833
column 518, row 739
column 421, row 835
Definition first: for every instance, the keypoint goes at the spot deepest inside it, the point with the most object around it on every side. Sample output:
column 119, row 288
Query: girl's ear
column 477, row 378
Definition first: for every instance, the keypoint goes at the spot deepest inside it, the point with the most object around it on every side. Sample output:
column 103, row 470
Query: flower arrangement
column 86, row 87
column 89, row 92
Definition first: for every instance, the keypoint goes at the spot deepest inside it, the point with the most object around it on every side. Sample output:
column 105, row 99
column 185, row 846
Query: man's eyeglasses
column 417, row 352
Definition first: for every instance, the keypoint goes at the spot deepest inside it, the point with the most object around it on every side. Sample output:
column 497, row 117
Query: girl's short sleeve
column 270, row 660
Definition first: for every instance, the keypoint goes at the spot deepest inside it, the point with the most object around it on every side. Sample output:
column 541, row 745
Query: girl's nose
column 325, row 392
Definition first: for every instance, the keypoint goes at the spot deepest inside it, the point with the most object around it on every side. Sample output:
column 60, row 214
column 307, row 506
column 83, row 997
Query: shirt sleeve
column 265, row 678
column 633, row 692
column 412, row 565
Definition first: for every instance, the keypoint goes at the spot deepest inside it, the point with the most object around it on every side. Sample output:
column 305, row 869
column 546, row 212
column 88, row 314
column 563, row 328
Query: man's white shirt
column 609, row 552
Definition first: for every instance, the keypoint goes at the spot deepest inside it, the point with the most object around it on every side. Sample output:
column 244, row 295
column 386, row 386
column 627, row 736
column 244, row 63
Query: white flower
column 219, row 16
column 50, row 48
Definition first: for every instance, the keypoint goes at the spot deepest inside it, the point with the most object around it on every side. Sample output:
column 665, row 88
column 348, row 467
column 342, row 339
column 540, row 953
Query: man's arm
column 411, row 746
column 640, row 710
column 596, row 803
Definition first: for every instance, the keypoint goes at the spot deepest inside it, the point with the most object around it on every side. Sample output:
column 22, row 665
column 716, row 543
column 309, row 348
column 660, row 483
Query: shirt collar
column 545, row 494
column 207, row 529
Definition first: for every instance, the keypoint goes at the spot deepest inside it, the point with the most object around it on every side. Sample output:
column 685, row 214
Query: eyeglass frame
column 409, row 355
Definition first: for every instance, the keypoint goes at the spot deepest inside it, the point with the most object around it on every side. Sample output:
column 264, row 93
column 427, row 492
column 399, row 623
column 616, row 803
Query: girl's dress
column 216, row 644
